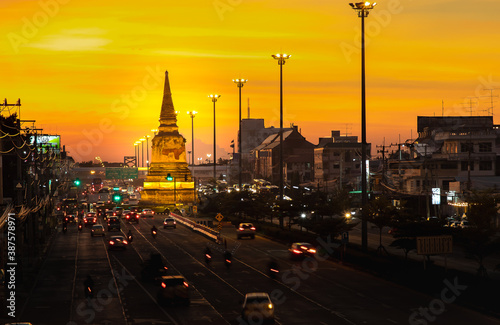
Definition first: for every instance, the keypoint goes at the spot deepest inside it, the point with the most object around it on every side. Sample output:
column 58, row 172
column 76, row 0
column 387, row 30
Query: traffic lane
column 54, row 283
column 241, row 278
column 143, row 245
column 357, row 295
column 106, row 305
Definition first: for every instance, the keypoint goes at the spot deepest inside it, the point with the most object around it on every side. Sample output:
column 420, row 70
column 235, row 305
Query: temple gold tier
column 168, row 157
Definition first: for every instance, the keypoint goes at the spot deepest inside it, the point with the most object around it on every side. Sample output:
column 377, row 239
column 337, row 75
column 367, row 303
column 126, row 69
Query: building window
column 465, row 164
column 446, row 186
column 485, row 165
column 449, row 165
column 336, row 166
column 336, row 154
column 466, row 147
column 417, row 183
column 484, row 146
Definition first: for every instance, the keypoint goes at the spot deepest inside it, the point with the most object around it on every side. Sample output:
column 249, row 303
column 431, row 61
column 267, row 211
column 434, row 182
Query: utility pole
column 384, row 163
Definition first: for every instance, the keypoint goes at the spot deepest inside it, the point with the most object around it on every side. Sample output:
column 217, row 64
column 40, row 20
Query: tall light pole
column 363, row 9
column 214, row 100
column 281, row 61
column 137, row 143
column 192, row 114
column 142, row 146
column 136, row 153
column 239, row 83
column 147, row 151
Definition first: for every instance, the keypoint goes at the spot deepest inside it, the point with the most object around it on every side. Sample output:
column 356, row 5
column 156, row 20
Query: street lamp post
column 137, row 143
column 147, row 151
column 281, row 61
column 142, row 149
column 214, row 100
column 239, row 83
column 363, row 9
column 136, row 152
column 192, row 114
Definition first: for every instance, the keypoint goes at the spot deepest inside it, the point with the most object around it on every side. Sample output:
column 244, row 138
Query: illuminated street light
column 281, row 61
column 192, row 114
column 147, row 151
column 142, row 146
column 363, row 9
column 136, row 151
column 239, row 83
column 214, row 100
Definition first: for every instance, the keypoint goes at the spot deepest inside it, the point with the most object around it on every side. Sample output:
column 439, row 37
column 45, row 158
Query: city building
column 337, row 160
column 298, row 158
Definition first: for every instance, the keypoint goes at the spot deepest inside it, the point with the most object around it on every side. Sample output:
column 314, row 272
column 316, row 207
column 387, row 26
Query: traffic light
column 77, row 182
column 169, row 177
column 117, row 197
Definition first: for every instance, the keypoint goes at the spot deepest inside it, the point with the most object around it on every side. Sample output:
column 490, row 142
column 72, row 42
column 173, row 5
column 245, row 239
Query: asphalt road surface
column 312, row 291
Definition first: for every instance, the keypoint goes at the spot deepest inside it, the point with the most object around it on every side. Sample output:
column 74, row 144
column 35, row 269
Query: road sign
column 429, row 245
column 219, row 217
column 345, row 237
column 121, row 173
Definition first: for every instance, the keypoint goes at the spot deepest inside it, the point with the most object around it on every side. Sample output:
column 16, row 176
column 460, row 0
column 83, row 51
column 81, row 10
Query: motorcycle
column 208, row 258
column 88, row 292
column 273, row 270
column 228, row 260
column 80, row 227
column 130, row 238
column 153, row 233
column 65, row 228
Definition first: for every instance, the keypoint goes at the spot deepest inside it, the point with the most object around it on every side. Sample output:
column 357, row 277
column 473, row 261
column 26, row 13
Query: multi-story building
column 337, row 160
column 451, row 153
column 298, row 156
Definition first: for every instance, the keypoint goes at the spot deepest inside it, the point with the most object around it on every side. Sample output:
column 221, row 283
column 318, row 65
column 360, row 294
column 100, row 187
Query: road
column 306, row 292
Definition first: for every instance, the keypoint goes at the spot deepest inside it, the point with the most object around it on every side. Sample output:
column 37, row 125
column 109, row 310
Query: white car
column 97, row 230
column 147, row 213
column 258, row 304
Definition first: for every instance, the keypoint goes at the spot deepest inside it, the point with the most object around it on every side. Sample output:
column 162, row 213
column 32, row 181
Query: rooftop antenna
column 490, row 109
column 470, row 108
column 442, row 108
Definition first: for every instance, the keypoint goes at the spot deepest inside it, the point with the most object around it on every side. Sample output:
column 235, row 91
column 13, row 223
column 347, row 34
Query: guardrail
column 204, row 230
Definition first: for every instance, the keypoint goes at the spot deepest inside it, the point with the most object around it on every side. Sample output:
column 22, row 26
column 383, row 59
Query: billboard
column 45, row 142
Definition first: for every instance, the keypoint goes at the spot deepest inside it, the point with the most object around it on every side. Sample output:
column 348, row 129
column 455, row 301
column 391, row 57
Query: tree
column 380, row 212
column 479, row 240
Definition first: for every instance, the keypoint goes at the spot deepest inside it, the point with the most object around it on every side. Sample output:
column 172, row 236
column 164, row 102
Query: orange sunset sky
column 92, row 70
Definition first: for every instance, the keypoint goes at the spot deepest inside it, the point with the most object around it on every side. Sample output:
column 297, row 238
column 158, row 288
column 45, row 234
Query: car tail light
column 241, row 229
column 175, row 222
column 95, row 219
column 166, row 268
column 125, row 242
column 111, row 242
column 296, row 251
column 152, row 212
column 185, row 284
column 253, row 228
column 163, row 285
column 312, row 250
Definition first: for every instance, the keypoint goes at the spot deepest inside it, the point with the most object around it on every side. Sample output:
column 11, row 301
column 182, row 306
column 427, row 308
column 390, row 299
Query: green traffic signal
column 117, row 198
column 77, row 182
column 169, row 177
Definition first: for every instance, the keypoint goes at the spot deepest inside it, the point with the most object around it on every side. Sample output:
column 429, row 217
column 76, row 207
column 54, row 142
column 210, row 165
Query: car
column 148, row 213
column 464, row 224
column 108, row 214
column 245, row 230
column 299, row 250
column 169, row 222
column 132, row 217
column 258, row 305
column 124, row 213
column 113, row 223
column 174, row 289
column 117, row 242
column 135, row 208
column 97, row 230
column 90, row 219
column 117, row 211
column 70, row 218
column 100, row 204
